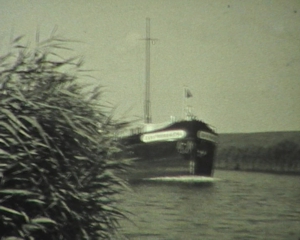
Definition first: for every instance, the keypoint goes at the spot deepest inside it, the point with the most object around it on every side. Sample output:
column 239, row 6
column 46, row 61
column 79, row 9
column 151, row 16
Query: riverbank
column 273, row 152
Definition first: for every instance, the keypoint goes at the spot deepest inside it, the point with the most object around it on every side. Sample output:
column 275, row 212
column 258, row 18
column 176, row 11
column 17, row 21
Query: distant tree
column 283, row 154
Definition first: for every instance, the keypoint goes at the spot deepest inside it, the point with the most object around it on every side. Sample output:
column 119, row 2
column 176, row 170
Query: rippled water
column 232, row 205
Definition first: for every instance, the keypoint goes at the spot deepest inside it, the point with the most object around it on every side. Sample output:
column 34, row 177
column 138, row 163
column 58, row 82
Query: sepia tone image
column 149, row 119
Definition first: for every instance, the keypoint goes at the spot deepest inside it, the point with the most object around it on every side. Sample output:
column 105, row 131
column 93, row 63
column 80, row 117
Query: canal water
column 232, row 205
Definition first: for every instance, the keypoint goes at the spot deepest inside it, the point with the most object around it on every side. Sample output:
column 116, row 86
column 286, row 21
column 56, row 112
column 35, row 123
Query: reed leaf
column 5, row 153
column 9, row 211
column 34, row 123
column 37, row 201
column 7, row 126
column 13, row 238
column 16, row 192
column 29, row 228
column 17, row 39
column 43, row 220
column 11, row 116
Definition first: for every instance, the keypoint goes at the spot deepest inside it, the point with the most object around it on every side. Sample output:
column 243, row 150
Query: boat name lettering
column 161, row 136
column 207, row 136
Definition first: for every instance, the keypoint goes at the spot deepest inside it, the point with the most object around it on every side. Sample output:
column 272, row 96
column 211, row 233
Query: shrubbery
column 57, row 171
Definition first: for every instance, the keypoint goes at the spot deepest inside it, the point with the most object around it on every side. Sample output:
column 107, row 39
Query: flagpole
column 186, row 109
column 184, row 102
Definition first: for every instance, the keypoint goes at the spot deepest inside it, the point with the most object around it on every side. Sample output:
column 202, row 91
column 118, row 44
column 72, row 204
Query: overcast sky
column 240, row 59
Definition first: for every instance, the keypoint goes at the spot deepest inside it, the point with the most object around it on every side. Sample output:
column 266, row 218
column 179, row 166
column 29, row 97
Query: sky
column 240, row 59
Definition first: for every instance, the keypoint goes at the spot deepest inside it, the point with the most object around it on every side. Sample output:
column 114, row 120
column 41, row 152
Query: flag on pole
column 188, row 93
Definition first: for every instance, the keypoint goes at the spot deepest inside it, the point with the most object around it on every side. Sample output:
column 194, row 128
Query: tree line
column 281, row 157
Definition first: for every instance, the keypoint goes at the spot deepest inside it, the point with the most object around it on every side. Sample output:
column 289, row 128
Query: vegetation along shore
column 277, row 152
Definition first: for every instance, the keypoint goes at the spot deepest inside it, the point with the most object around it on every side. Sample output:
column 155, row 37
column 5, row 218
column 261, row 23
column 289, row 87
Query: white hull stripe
column 207, row 136
column 163, row 136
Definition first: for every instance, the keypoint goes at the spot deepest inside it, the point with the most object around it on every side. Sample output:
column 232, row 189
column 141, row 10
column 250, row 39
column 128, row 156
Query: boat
column 172, row 148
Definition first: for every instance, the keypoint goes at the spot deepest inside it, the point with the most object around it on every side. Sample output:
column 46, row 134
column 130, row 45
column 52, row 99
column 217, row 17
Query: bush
column 57, row 170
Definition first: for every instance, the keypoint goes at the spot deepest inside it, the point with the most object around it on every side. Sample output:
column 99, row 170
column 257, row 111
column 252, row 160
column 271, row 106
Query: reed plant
column 57, row 150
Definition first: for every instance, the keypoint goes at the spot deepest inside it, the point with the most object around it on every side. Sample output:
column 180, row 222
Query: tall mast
column 147, row 109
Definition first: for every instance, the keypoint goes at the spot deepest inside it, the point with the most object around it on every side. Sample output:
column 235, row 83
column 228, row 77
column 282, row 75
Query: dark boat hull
column 182, row 148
